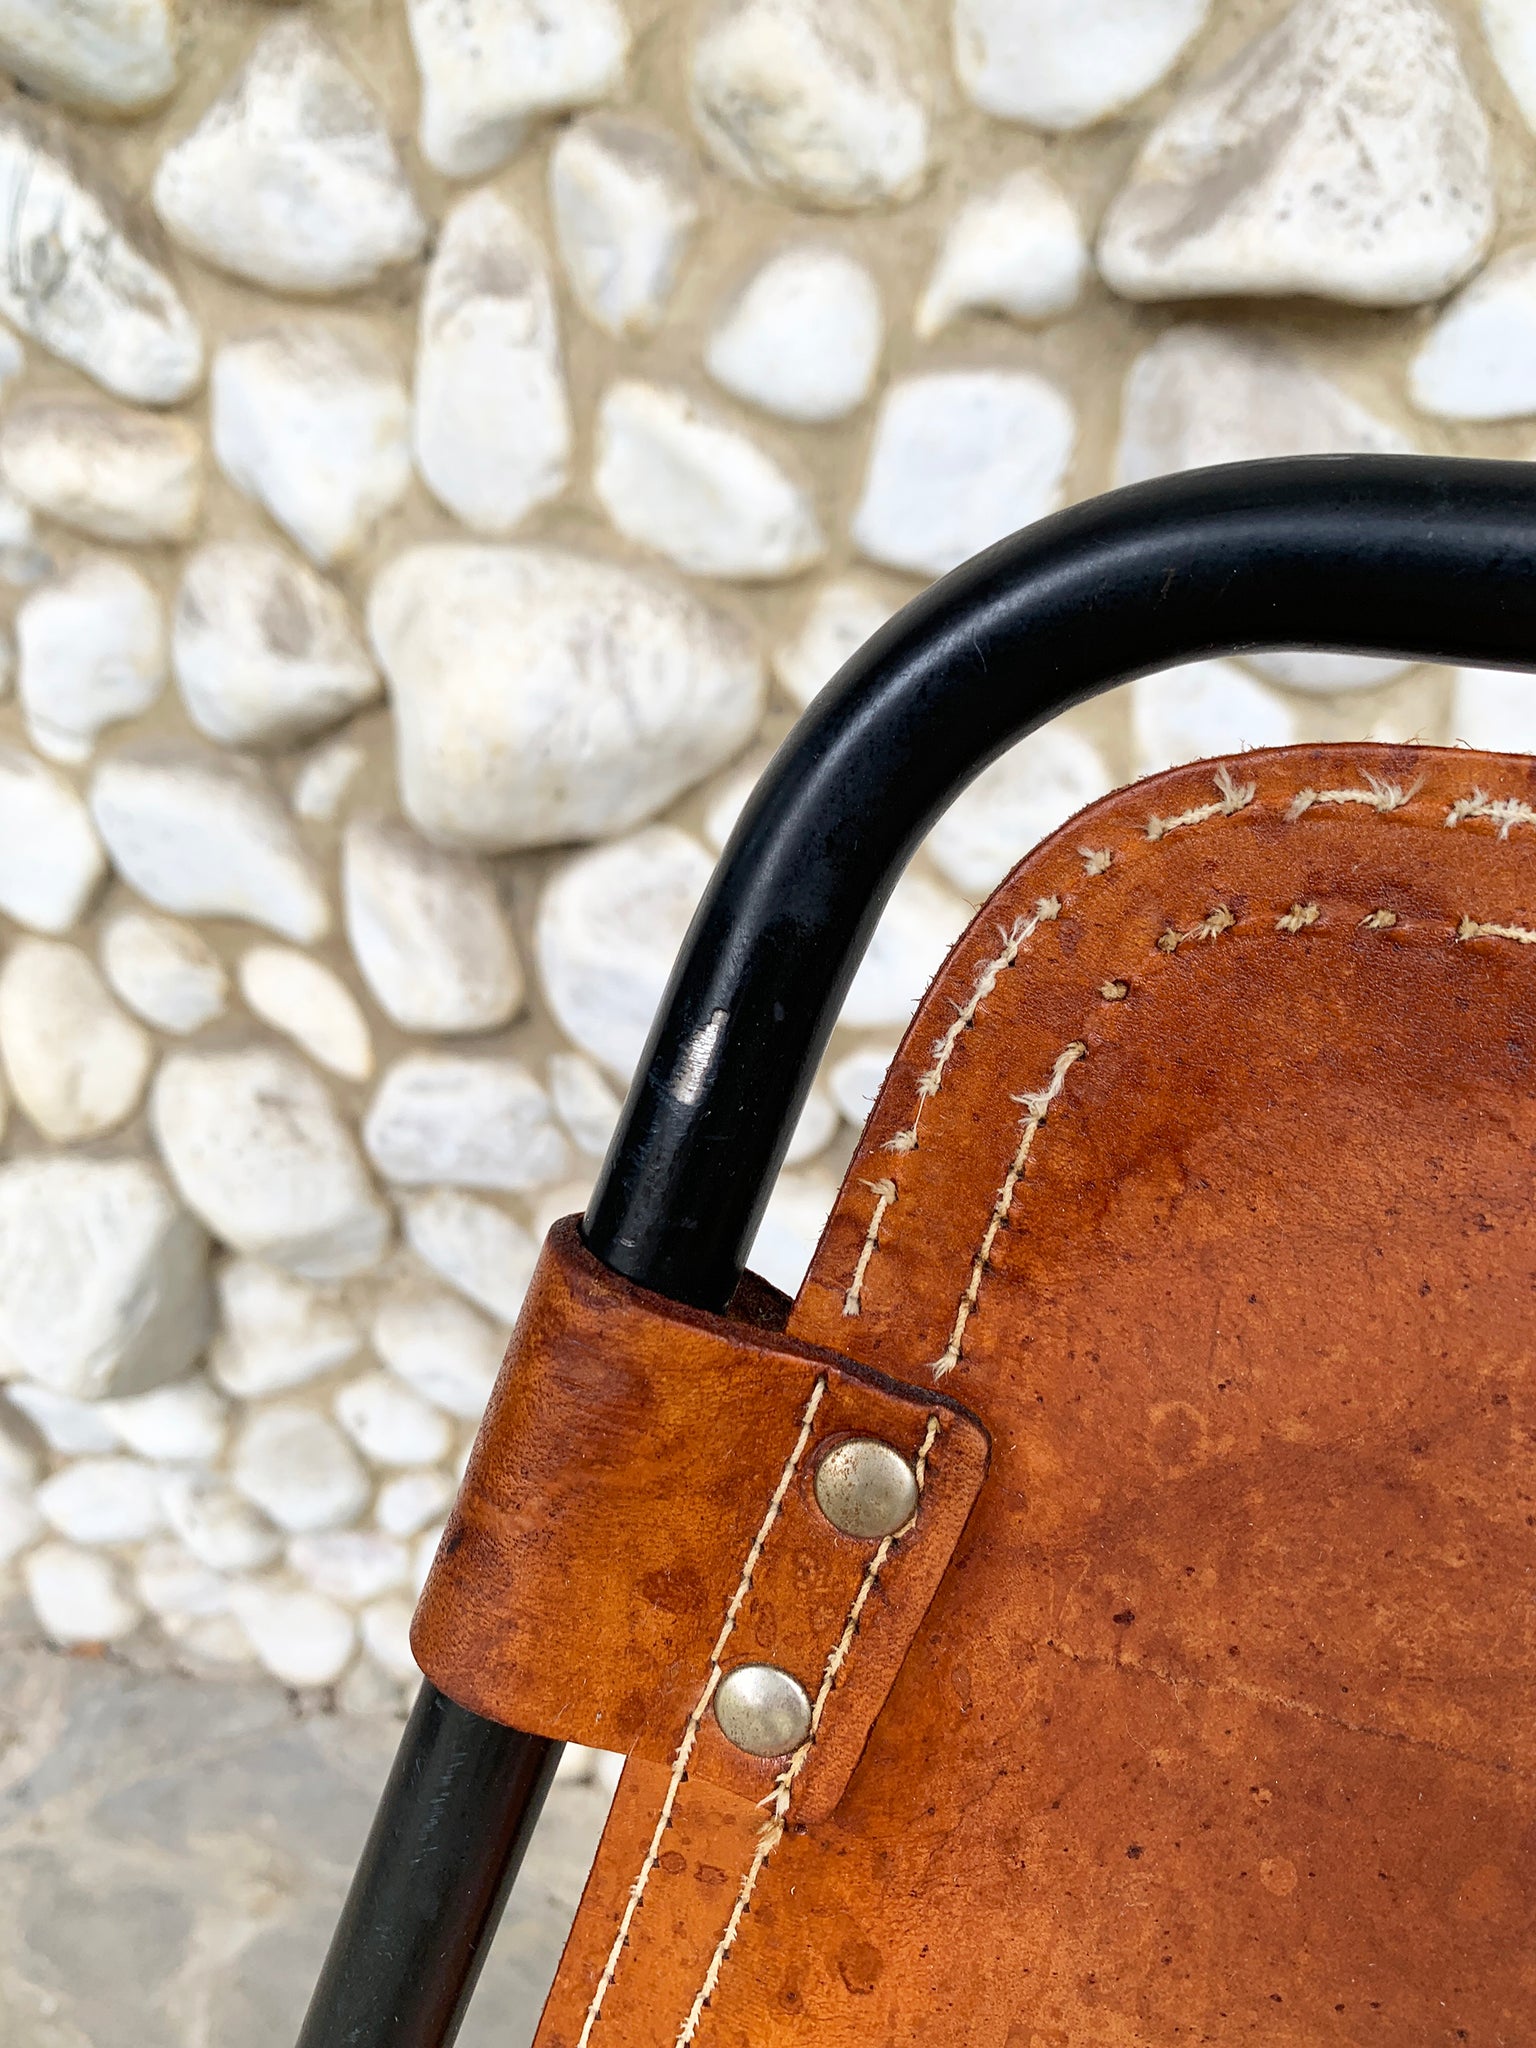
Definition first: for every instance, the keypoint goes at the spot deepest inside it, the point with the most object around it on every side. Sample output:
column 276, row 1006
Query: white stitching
column 1381, row 796
column 1469, row 928
column 1233, row 797
column 884, row 1192
column 1506, row 811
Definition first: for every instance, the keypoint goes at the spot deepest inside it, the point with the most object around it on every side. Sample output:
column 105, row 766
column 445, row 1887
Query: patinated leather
column 1204, row 1179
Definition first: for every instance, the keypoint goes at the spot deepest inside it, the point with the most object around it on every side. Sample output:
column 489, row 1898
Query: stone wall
column 443, row 444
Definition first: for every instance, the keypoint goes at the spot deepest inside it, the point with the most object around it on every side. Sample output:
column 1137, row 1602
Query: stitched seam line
column 884, row 1192
column 695, row 1720
column 784, row 1785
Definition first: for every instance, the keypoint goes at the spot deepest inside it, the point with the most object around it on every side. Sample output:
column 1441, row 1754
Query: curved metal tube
column 1424, row 557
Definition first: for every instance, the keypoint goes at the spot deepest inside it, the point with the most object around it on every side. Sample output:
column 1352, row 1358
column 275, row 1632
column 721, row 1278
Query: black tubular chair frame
column 1425, row 558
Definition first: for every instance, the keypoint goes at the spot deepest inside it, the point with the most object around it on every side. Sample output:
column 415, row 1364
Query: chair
column 1099, row 1610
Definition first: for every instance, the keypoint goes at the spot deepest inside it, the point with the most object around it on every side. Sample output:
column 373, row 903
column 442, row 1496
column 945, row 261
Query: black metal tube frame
column 1414, row 556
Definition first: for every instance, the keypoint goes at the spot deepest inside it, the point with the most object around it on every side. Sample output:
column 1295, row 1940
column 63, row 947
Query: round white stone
column 477, row 1248
column 492, row 426
column 76, row 1065
column 815, row 1127
column 298, row 1469
column 102, row 302
column 220, row 1529
column 76, row 1428
column 103, row 1500
column 916, row 930
column 77, row 1595
column 540, row 696
column 1510, row 29
column 792, row 1223
column 1015, row 249
column 463, row 1121
column 1204, row 708
column 857, row 1078
column 1494, row 708
column 387, row 1637
column 960, row 459
column 277, row 1332
column 441, row 1348
column 803, row 337
column 50, row 858
column 204, row 836
column 102, row 56
column 350, row 1565
column 19, row 1462
column 164, row 971
column 821, row 101
column 390, row 1424
column 1343, row 153
column 174, row 1586
column 91, row 652
column 20, row 1523
column 842, row 616
column 624, row 196
column 180, row 1424
column 302, row 1638
column 323, row 782
column 423, row 1556
column 676, row 476
column 427, row 932
column 1478, row 361
column 609, row 925
column 1063, row 64
column 311, row 419
column 309, row 1004
column 103, row 1278
column 487, row 66
column 263, row 649
column 1014, row 804
column 255, row 1145
column 584, row 1101
column 108, row 472
column 290, row 179
column 407, row 1503
column 728, row 798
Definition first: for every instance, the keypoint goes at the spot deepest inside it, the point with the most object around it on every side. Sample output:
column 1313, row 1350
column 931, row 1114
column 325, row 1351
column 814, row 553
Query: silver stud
column 866, row 1488
column 762, row 1710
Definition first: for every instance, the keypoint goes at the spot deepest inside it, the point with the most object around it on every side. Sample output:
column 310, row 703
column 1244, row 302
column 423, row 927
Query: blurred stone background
column 443, row 445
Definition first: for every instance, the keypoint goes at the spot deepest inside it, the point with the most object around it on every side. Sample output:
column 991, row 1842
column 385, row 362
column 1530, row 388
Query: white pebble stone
column 676, row 476
column 609, row 924
column 302, row 1638
column 165, row 971
column 423, row 1556
column 20, row 1523
column 211, row 1639
column 803, row 337
column 491, row 426
column 104, row 57
column 174, row 1586
column 390, row 1424
column 309, row 1004
column 263, row 649
column 488, row 66
column 19, row 1462
column 463, row 1121
column 254, row 1143
column 916, row 930
column 729, row 796
column 584, row 1100
column 106, row 305
column 1064, row 64
column 324, row 781
column 1015, row 249
column 277, row 1331
column 815, row 1127
column 1203, row 708
column 290, row 179
column 1494, row 708
column 298, row 1469
column 477, row 1248
column 960, row 459
column 91, row 652
column 312, row 420
column 1011, row 806
column 205, row 837
column 387, row 1637
column 1510, row 29
column 624, row 195
column 793, row 1221
column 1204, row 394
column 821, row 101
column 407, row 1503
column 220, row 1529
column 75, row 1428
column 103, row 1277
column 1342, row 153
column 77, row 1595
column 553, row 1205
column 1478, row 361
column 427, row 931
column 103, row 1500
column 857, row 1078
column 350, row 1565
column 540, row 696
column 76, row 1065
column 842, row 616
column 179, row 1424
column 440, row 1347
column 108, row 472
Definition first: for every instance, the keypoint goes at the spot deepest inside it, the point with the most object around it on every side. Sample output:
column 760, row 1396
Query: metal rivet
column 865, row 1488
column 762, row 1710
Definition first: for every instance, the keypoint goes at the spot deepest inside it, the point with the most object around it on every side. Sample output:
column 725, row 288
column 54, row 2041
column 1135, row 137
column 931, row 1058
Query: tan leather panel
column 1208, row 1187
